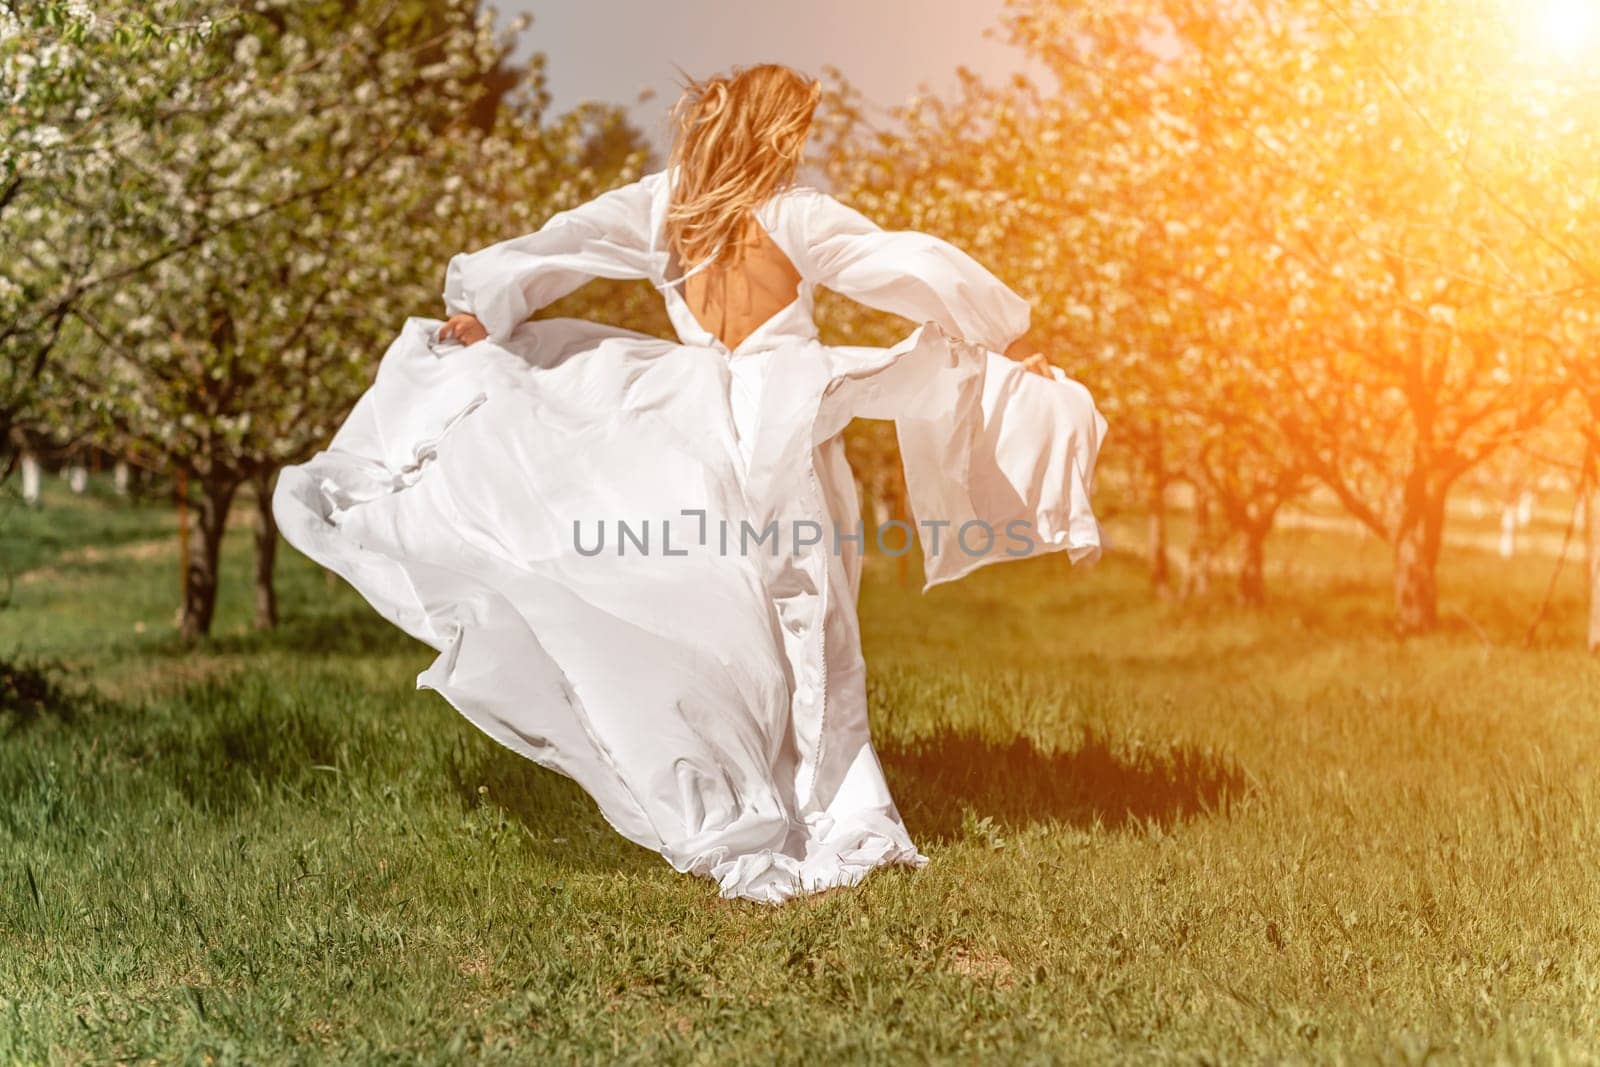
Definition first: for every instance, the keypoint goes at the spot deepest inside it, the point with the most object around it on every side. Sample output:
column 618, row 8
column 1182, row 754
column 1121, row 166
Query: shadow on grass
column 562, row 822
column 31, row 692
column 940, row 783
column 937, row 780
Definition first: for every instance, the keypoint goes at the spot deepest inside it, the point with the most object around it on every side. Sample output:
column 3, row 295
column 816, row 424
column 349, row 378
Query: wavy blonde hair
column 740, row 137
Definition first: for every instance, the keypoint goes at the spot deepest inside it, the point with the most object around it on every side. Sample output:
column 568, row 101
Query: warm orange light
column 1567, row 28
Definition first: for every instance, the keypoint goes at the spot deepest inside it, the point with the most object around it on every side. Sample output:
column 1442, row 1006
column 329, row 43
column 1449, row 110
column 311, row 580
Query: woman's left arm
column 1028, row 353
column 915, row 275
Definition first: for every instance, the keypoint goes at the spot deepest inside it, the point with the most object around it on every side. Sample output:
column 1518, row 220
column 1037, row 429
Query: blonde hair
column 739, row 140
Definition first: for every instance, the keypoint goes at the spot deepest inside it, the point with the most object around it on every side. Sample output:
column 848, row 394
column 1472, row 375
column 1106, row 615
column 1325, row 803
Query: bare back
column 731, row 303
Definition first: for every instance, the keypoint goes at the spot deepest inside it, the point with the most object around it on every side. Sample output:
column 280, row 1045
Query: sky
column 612, row 50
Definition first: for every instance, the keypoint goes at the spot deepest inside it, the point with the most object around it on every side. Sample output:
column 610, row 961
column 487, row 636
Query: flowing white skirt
column 668, row 671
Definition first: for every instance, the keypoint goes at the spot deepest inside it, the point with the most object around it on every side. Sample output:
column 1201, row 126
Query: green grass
column 1159, row 830
column 93, row 523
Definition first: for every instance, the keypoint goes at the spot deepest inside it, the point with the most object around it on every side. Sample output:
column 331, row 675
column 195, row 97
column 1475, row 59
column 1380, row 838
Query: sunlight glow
column 1566, row 28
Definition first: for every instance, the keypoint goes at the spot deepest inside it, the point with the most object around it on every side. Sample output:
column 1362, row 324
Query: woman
column 639, row 559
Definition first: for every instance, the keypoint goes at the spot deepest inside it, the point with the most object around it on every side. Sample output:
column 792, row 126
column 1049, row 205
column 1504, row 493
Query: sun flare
column 1566, row 28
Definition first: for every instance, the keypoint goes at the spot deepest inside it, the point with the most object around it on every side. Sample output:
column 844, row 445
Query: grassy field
column 1159, row 831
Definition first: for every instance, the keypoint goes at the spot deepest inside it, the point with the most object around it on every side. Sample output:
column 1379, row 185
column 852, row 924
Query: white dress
column 700, row 677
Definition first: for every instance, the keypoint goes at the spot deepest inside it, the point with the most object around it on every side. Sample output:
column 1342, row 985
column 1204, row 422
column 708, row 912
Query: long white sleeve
column 607, row 237
column 911, row 274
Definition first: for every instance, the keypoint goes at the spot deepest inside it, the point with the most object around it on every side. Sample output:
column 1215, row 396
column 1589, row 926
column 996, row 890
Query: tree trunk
column 1591, row 514
column 209, row 519
column 30, row 479
column 1156, row 507
column 1508, row 531
column 1197, row 576
column 903, row 563
column 1252, row 567
column 266, row 532
column 78, row 478
column 119, row 477
column 180, row 492
column 1416, row 561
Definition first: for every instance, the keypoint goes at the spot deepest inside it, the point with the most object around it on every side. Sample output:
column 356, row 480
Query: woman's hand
column 463, row 328
column 1025, row 352
column 1037, row 364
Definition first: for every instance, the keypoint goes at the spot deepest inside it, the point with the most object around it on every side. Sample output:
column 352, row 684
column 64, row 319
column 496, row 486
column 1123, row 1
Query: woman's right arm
column 489, row 293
